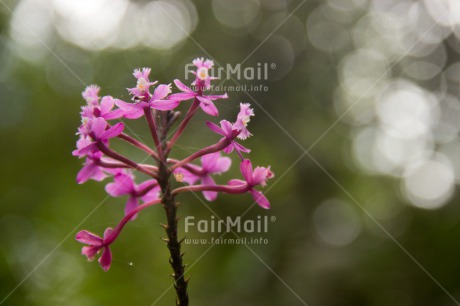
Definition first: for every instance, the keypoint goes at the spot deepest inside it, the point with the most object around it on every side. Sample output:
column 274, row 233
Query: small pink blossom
column 202, row 73
column 243, row 118
column 98, row 132
column 143, row 82
column 226, row 129
column 91, row 95
column 259, row 176
column 124, row 185
column 206, row 103
column 211, row 164
column 94, row 245
column 104, row 109
column 157, row 101
column 91, row 169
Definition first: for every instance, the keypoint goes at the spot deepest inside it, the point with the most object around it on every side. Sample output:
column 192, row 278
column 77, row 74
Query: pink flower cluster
column 157, row 103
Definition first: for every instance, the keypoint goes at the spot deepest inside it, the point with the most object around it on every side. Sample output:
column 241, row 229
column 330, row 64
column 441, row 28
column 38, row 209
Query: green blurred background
column 359, row 123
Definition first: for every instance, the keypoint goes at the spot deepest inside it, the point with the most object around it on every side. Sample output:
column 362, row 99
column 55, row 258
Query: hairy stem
column 170, row 207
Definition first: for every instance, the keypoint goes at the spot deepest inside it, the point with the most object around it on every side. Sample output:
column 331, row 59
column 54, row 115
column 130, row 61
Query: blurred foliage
column 354, row 239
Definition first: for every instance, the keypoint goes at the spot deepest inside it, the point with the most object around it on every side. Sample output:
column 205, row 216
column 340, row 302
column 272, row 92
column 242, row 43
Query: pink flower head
column 98, row 132
column 104, row 109
column 158, row 101
column 91, row 169
column 94, row 245
column 143, row 82
column 242, row 120
column 259, row 176
column 206, row 103
column 202, row 72
column 91, row 94
column 226, row 129
column 124, row 185
column 211, row 164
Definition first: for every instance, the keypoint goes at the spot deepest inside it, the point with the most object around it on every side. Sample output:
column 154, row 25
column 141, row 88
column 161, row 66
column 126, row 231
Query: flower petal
column 85, row 173
column 240, row 147
column 209, row 195
column 209, row 161
column 259, row 176
column 215, row 97
column 260, row 199
column 182, row 96
column 98, row 126
column 107, row 104
column 106, row 259
column 227, row 127
column 122, row 185
column 134, row 113
column 90, row 251
column 246, row 170
column 125, row 105
column 208, row 107
column 222, row 165
column 115, row 114
column 164, row 105
column 89, row 148
column 182, row 87
column 215, row 128
column 113, row 131
column 161, row 92
column 88, row 238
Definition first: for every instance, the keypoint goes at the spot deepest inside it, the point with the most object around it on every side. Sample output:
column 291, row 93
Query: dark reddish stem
column 190, row 113
column 105, row 164
column 139, row 145
column 208, row 150
column 154, row 131
column 110, row 153
column 117, row 230
column 219, row 188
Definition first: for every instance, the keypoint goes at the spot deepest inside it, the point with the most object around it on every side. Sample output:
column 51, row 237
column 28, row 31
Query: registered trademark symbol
column 273, row 66
column 272, row 218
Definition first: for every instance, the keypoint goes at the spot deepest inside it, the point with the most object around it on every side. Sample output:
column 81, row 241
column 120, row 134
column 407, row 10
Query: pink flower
column 157, row 101
column 202, row 73
column 91, row 170
column 206, row 103
column 211, row 164
column 103, row 110
column 91, row 94
column 254, row 178
column 94, row 246
column 143, row 82
column 96, row 129
column 124, row 185
column 243, row 118
column 226, row 129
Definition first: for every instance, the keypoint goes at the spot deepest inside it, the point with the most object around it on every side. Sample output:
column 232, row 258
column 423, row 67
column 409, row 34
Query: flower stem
column 220, row 188
column 110, row 153
column 126, row 218
column 154, row 131
column 170, row 207
column 208, row 150
column 139, row 145
column 191, row 111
